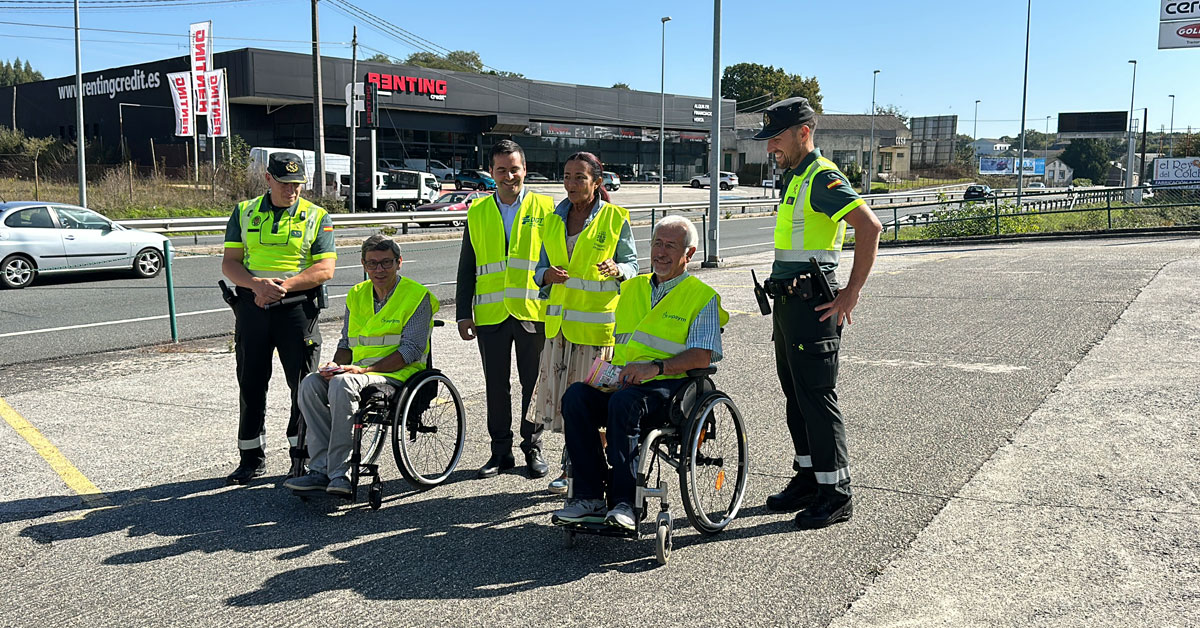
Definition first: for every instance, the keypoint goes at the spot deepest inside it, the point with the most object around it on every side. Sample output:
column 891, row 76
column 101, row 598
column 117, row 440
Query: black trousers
column 806, row 358
column 292, row 331
column 496, row 349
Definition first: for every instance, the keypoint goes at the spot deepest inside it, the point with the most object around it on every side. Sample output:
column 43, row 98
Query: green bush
column 1081, row 183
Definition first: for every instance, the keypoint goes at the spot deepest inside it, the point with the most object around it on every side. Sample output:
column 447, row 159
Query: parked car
column 978, row 192
column 451, row 202
column 44, row 238
column 728, row 180
column 472, row 179
column 624, row 172
column 612, row 181
column 1036, row 185
column 649, row 175
column 535, row 177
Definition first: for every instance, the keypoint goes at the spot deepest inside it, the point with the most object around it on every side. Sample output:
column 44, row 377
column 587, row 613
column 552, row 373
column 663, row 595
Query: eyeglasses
column 385, row 264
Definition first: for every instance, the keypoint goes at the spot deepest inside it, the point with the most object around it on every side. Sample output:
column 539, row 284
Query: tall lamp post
column 1172, row 131
column 1129, row 159
column 871, row 146
column 662, row 120
column 975, row 134
column 79, row 133
column 1024, row 102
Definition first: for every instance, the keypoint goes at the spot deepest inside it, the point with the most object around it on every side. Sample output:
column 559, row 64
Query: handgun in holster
column 322, row 297
column 760, row 294
column 228, row 295
column 818, row 277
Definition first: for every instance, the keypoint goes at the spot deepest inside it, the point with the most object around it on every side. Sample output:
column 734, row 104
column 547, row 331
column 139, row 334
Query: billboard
column 1179, row 34
column 933, row 127
column 1008, row 165
column 933, row 139
column 1170, row 10
column 181, row 95
column 1098, row 124
column 1176, row 170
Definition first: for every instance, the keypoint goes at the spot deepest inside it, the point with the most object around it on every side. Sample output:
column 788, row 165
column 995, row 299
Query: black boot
column 825, row 512
column 496, row 464
column 247, row 470
column 799, row 493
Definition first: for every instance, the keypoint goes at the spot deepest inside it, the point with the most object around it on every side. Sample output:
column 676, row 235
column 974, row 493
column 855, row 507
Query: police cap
column 784, row 115
column 286, row 168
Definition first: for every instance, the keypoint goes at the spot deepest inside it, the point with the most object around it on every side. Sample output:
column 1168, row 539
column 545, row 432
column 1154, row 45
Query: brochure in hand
column 604, row 375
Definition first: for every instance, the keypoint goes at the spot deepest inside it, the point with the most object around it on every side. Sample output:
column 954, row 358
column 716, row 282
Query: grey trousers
column 328, row 408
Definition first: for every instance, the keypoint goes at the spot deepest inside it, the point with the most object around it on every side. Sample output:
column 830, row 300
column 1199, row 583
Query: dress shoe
column 825, row 512
column 799, row 493
column 246, row 471
column 496, row 464
column 537, row 466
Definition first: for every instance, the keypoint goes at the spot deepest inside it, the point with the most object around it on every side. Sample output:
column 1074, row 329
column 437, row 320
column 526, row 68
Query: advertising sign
column 181, row 93
column 1179, row 34
column 1008, row 165
column 214, row 86
column 200, row 50
column 1177, row 170
column 1171, row 10
column 1093, row 124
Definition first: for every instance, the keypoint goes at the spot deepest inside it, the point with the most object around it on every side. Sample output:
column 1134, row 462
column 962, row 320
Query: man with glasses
column 385, row 335
column 279, row 251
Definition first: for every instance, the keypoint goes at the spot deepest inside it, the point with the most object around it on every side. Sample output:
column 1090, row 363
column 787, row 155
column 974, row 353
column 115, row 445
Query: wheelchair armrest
column 437, row 322
column 696, row 373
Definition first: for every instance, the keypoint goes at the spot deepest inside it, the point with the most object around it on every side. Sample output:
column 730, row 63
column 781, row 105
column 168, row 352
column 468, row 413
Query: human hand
column 466, row 329
column 268, row 290
column 608, row 268
column 329, row 369
column 637, row 372
column 840, row 306
column 554, row 275
column 353, row 369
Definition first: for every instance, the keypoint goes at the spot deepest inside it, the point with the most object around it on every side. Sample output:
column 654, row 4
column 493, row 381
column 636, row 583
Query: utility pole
column 352, row 194
column 1145, row 127
column 712, row 237
column 318, row 109
column 1129, row 137
column 1172, row 149
column 871, row 146
column 1024, row 101
column 79, row 134
column 662, row 120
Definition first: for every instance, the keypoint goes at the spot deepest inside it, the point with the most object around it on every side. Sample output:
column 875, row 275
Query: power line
column 175, row 35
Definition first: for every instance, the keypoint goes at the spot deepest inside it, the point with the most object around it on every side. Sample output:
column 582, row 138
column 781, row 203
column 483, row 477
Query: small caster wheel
column 375, row 497
column 662, row 538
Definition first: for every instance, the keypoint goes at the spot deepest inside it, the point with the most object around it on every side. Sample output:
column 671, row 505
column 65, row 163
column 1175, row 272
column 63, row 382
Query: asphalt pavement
column 1022, row 442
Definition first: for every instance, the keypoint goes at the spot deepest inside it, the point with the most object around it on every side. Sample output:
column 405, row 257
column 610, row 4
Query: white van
column 403, row 189
column 335, row 165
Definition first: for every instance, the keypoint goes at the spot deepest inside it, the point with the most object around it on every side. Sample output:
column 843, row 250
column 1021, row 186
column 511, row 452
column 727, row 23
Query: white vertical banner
column 200, row 50
column 181, row 93
column 214, row 86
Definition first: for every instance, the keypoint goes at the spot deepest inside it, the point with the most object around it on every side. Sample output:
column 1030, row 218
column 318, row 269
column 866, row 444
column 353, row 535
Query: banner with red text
column 180, row 84
column 200, row 51
column 214, row 87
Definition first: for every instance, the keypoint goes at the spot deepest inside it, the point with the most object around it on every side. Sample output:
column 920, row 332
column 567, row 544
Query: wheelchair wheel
column 716, row 464
column 429, row 431
column 373, row 436
column 375, row 495
column 662, row 538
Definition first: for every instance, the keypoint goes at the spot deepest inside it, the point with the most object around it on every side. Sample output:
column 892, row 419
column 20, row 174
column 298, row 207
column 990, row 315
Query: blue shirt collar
column 520, row 199
column 666, row 286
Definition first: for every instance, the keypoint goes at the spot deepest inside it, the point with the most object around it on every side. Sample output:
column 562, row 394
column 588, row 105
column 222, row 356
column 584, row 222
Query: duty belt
column 800, row 286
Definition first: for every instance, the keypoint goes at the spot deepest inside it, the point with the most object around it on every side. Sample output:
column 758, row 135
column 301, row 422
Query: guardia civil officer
column 818, row 204
column 279, row 250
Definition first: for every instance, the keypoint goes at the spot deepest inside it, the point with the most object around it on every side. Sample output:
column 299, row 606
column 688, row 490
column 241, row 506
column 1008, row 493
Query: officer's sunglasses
column 383, row 264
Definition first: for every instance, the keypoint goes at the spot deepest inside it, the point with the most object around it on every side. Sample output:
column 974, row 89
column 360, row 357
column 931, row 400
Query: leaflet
column 604, row 375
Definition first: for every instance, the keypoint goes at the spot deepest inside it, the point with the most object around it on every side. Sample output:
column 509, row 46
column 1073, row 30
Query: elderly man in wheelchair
column 667, row 333
column 381, row 359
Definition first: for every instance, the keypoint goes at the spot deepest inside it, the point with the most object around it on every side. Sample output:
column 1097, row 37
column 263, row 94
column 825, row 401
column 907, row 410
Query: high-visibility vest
column 281, row 250
column 812, row 233
column 374, row 336
column 584, row 306
column 504, row 268
column 644, row 334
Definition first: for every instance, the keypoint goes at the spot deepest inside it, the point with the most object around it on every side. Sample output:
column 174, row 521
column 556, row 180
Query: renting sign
column 214, row 87
column 200, row 49
column 181, row 93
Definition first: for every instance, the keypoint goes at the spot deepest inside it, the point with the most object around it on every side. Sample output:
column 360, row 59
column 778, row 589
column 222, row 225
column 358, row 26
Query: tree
column 456, row 61
column 1089, row 159
column 1034, row 140
column 17, row 72
column 621, row 86
column 759, row 85
column 892, row 110
column 379, row 57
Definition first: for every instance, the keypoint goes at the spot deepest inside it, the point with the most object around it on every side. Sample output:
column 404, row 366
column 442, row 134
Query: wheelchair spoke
column 433, row 431
column 713, row 480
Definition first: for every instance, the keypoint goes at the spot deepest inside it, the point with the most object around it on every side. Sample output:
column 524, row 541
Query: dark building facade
column 453, row 117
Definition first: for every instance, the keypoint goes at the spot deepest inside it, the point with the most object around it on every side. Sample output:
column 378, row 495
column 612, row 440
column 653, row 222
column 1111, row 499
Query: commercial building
column 453, row 117
column 843, row 138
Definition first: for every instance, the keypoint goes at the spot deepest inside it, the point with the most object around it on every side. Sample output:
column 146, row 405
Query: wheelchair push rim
column 429, row 431
column 713, row 477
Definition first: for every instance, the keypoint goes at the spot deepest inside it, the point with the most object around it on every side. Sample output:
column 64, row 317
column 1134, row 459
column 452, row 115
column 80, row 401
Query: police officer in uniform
column 279, row 250
column 818, row 204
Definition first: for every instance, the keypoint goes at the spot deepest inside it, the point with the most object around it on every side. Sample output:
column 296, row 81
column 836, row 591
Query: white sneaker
column 580, row 511
column 622, row 517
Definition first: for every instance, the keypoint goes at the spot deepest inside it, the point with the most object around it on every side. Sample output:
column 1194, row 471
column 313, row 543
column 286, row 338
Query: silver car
column 39, row 237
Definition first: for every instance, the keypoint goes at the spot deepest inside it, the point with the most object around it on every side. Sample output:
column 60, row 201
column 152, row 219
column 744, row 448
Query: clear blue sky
column 936, row 57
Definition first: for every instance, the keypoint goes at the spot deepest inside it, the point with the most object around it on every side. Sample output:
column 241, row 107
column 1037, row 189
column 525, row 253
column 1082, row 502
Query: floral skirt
column 563, row 364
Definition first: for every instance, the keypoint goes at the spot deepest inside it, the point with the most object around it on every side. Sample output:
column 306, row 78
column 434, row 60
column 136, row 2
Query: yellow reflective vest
column 374, row 336
column 504, row 267
column 811, row 233
column 278, row 250
column 644, row 333
column 583, row 307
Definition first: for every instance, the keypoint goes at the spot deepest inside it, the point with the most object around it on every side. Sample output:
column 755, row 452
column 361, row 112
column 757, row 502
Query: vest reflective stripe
column 645, row 333
column 292, row 252
column 812, row 233
column 377, row 335
column 504, row 282
column 583, row 308
column 589, row 285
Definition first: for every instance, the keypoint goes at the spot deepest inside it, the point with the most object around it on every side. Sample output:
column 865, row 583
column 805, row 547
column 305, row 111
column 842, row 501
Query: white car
column 43, row 238
column 728, row 180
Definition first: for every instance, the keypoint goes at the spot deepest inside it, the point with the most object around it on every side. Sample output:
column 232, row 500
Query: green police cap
column 784, row 115
column 286, row 168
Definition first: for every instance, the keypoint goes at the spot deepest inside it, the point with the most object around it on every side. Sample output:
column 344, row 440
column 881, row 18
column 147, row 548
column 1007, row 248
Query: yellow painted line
column 75, row 480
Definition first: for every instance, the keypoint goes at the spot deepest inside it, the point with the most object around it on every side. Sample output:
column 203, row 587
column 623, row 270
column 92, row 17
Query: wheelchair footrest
column 349, row 497
column 598, row 529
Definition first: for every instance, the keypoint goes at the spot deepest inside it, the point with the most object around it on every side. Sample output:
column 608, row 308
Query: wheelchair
column 703, row 438
column 427, row 423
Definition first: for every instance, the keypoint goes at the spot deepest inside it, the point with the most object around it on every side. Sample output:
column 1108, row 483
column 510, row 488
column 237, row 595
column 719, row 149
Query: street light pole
column 662, row 120
column 975, row 134
column 1129, row 159
column 1024, row 101
column 318, row 109
column 871, row 146
column 79, row 134
column 1172, row 131
column 712, row 251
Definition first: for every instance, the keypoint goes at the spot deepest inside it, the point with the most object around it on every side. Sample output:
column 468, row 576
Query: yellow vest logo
column 674, row 317
column 257, row 220
column 534, row 220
